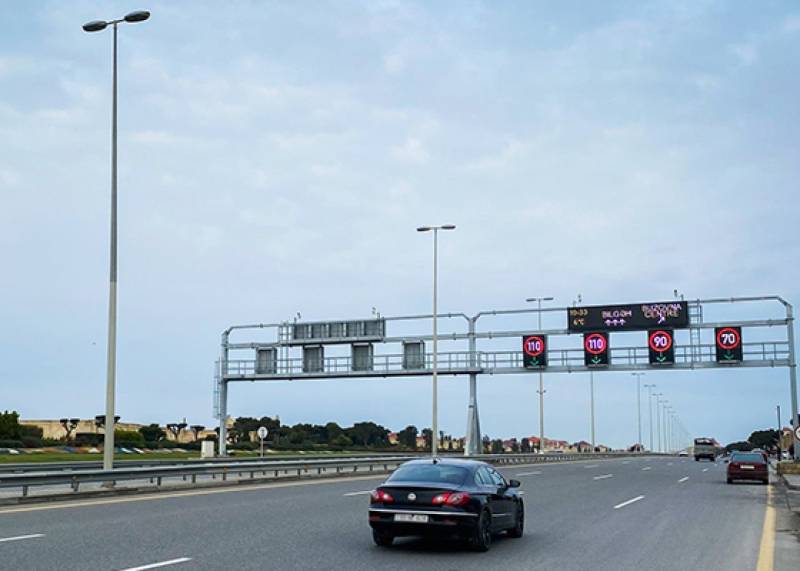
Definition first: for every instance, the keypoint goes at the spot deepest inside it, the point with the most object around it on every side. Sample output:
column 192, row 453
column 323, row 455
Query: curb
column 787, row 484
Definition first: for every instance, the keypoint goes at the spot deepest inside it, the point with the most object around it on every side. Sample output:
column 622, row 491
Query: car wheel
column 482, row 538
column 519, row 526
column 382, row 539
column 696, row 459
column 766, row 482
column 730, row 480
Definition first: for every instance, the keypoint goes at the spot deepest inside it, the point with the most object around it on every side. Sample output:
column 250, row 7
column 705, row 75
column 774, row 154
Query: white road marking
column 348, row 494
column 603, row 477
column 626, row 462
column 705, row 469
column 647, row 468
column 161, row 564
column 669, row 463
column 629, row 502
column 683, row 479
column 19, row 537
column 591, row 466
column 528, row 473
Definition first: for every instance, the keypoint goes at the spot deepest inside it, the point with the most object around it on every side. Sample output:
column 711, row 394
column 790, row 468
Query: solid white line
column 647, row 468
column 31, row 536
column 357, row 493
column 626, row 462
column 603, row 477
column 705, row 469
column 161, row 564
column 683, row 479
column 669, row 463
column 591, row 466
column 528, row 473
column 629, row 502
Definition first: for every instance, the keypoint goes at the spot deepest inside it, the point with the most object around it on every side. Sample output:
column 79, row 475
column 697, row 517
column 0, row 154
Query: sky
column 275, row 158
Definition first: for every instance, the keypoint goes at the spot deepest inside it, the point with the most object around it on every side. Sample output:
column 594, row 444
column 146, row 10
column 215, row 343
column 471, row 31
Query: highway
column 642, row 513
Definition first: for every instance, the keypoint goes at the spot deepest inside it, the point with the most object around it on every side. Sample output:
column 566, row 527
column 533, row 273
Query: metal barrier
column 268, row 470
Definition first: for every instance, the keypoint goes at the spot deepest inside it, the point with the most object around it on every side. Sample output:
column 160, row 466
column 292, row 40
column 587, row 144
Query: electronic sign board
column 661, row 346
column 534, row 351
column 632, row 317
column 595, row 349
column 729, row 344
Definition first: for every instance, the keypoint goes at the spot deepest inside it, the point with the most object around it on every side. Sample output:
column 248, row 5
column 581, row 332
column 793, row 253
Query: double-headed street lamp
column 435, row 412
column 541, row 391
column 108, row 441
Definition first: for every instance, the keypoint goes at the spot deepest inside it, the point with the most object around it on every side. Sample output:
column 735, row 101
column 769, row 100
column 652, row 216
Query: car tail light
column 379, row 496
column 451, row 499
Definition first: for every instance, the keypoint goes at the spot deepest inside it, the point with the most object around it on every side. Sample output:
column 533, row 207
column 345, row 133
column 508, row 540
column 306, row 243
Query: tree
column 10, row 428
column 514, row 446
column 368, row 434
column 743, row 446
column 408, row 437
column 196, row 430
column 176, row 428
column 69, row 424
column 764, row 439
column 426, row 437
column 152, row 433
column 525, row 447
column 497, row 446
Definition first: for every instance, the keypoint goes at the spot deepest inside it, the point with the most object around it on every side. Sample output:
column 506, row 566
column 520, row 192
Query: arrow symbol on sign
column 595, row 359
column 661, row 358
column 728, row 355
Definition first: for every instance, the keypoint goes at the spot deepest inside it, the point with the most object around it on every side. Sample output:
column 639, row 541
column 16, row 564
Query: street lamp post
column 541, row 390
column 639, row 405
column 111, row 364
column 658, row 419
column 435, row 411
column 650, row 410
column 591, row 405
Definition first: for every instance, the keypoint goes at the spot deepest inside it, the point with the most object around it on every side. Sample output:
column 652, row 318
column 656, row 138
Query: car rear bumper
column 760, row 476
column 439, row 522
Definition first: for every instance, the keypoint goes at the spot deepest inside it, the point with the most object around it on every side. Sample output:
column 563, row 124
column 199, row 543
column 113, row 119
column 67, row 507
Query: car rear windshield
column 748, row 458
column 437, row 473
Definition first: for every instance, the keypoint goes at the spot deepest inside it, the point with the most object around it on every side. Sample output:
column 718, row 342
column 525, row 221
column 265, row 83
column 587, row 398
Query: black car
column 449, row 497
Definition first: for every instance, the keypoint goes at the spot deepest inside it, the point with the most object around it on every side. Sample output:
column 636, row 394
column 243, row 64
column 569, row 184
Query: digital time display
column 633, row 317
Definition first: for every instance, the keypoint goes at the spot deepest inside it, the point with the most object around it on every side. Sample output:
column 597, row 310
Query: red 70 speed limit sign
column 729, row 344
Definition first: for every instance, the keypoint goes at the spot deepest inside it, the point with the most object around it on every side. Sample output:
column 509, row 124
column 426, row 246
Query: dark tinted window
column 749, row 457
column 439, row 473
column 482, row 477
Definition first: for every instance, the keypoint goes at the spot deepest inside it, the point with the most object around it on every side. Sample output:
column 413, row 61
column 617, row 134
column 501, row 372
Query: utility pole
column 639, row 406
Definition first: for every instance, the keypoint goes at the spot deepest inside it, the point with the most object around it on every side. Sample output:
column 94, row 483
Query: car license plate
column 746, row 467
column 411, row 518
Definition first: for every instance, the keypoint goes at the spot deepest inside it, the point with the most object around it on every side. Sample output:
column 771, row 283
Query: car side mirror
column 514, row 484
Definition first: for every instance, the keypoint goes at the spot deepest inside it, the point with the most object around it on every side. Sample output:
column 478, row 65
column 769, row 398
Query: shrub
column 10, row 444
column 31, row 442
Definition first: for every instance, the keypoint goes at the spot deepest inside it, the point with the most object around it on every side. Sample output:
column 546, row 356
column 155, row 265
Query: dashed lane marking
column 21, row 537
column 603, row 477
column 159, row 564
column 683, row 479
column 629, row 502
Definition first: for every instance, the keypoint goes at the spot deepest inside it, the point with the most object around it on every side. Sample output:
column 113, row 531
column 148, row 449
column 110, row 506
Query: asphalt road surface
column 641, row 513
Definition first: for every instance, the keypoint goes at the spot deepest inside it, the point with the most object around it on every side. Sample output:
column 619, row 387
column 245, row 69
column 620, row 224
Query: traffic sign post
column 262, row 434
column 534, row 351
column 595, row 349
column 661, row 346
column 729, row 344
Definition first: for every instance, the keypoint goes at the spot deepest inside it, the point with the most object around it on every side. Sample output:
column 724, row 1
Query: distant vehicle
column 705, row 448
column 466, row 499
column 683, row 453
column 747, row 466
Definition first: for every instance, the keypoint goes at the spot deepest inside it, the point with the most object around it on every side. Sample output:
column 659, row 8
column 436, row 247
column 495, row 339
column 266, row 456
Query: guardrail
column 28, row 467
column 268, row 470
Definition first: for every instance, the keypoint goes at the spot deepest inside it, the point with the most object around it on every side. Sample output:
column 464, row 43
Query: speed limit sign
column 661, row 346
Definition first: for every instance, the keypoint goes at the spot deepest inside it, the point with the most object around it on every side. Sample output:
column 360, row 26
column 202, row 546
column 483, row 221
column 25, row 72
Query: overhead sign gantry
column 648, row 339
